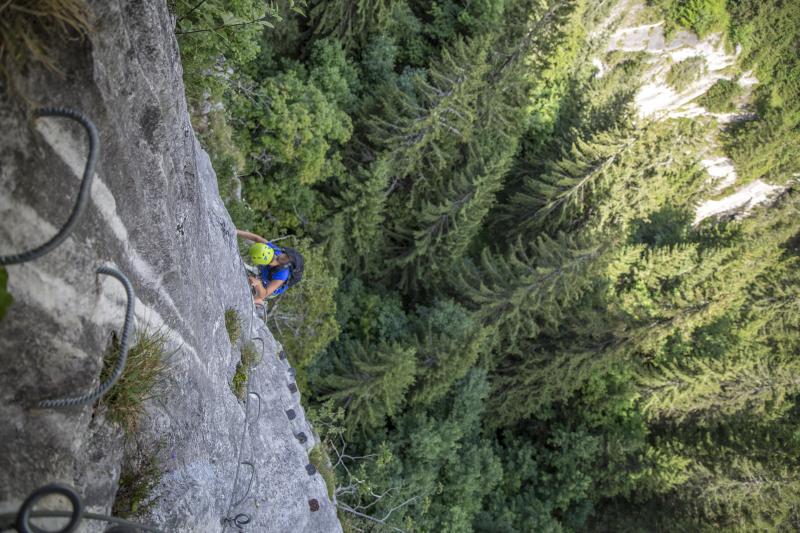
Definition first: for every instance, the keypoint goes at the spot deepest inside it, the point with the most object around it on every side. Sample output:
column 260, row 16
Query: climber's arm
column 261, row 293
column 251, row 236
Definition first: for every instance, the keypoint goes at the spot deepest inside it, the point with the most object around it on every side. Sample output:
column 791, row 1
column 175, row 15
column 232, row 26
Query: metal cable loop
column 21, row 520
column 238, row 521
column 123, row 349
column 83, row 193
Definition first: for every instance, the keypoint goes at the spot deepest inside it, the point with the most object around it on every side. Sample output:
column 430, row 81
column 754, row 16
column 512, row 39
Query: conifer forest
column 512, row 317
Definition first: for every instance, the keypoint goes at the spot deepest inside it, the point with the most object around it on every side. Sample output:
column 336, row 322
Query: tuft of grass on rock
column 139, row 476
column 25, row 25
column 145, row 365
column 233, row 325
column 250, row 357
column 319, row 457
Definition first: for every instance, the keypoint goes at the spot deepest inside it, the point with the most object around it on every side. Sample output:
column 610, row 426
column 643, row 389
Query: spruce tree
column 530, row 288
column 370, row 382
column 350, row 21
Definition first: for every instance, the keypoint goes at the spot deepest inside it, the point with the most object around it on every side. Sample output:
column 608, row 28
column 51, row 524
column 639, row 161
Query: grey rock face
column 156, row 214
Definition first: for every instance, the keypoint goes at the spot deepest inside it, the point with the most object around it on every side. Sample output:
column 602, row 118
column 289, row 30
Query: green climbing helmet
column 261, row 254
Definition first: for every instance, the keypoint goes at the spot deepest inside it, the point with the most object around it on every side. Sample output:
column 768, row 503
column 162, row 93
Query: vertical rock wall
column 156, row 214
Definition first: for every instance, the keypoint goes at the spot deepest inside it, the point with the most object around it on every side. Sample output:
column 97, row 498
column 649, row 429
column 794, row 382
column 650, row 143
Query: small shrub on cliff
column 720, row 97
column 322, row 462
column 5, row 297
column 686, row 72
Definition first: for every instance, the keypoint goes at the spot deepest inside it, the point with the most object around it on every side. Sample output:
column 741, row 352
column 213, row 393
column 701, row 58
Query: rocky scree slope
column 156, row 214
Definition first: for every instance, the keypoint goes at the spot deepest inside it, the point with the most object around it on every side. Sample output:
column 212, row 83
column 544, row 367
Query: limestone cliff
column 156, row 214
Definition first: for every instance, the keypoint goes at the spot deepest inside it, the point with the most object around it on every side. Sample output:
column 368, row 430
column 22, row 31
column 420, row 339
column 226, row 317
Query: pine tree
column 445, row 457
column 759, row 371
column 564, row 192
column 362, row 204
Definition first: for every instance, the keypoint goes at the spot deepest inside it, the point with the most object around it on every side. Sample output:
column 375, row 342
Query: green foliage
column 350, row 21
column 764, row 148
column 604, row 171
column 214, row 34
column 528, row 290
column 440, row 460
column 144, row 369
column 449, row 343
column 233, row 325
column 720, row 98
column 540, row 483
column 683, row 73
column 5, row 297
column 295, row 124
column 242, row 215
column 239, row 382
column 700, row 16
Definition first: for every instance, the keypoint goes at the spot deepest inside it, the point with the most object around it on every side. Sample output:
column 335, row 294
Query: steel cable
column 123, row 349
column 21, row 520
column 83, row 193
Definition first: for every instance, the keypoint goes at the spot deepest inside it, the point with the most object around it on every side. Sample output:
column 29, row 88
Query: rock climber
column 272, row 270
